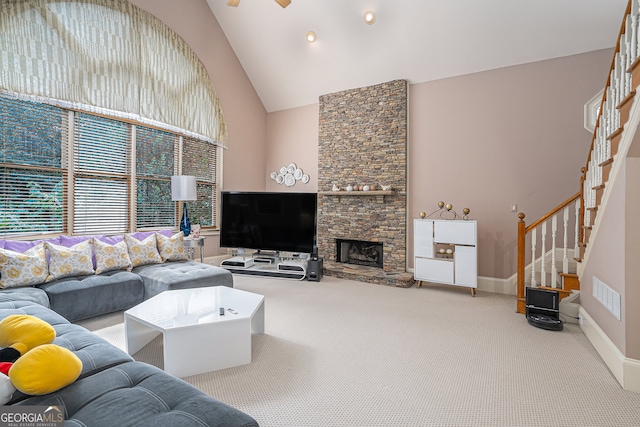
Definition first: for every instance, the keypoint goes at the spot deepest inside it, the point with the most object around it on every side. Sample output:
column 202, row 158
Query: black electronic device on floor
column 543, row 309
column 314, row 269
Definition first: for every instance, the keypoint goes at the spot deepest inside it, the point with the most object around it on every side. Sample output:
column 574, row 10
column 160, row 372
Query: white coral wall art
column 289, row 175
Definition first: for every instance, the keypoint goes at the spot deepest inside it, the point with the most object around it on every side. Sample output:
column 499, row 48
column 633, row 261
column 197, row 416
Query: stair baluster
column 543, row 244
column 554, row 268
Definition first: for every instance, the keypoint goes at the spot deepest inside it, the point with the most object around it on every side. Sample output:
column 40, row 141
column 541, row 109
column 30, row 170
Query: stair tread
column 549, row 288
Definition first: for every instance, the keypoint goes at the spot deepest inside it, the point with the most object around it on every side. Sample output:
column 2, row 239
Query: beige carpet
column 344, row 353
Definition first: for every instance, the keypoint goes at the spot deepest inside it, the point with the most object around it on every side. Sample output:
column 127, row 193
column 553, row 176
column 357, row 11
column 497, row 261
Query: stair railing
column 619, row 92
column 570, row 211
column 613, row 114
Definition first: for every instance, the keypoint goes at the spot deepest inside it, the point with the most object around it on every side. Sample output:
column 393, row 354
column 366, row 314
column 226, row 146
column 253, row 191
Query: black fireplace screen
column 359, row 252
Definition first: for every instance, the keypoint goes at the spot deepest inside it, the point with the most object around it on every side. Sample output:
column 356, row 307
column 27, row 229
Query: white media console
column 267, row 266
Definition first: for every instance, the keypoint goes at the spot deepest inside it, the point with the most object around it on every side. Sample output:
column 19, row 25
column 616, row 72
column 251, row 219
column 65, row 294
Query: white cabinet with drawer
column 445, row 251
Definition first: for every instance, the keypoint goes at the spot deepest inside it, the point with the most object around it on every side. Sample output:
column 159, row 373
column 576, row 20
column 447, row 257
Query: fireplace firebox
column 359, row 252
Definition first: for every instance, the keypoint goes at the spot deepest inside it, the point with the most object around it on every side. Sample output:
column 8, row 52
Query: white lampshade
column 183, row 187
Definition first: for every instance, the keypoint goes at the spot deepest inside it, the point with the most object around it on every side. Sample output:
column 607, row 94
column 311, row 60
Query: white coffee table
column 196, row 338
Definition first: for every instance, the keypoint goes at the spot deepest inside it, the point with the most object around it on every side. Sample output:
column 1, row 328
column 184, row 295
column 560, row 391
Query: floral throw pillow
column 23, row 269
column 172, row 248
column 111, row 257
column 142, row 252
column 74, row 261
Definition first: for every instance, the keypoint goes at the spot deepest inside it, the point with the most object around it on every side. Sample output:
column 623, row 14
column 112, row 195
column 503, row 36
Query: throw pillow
column 45, row 369
column 142, row 252
column 73, row 261
column 23, row 269
column 111, row 257
column 172, row 248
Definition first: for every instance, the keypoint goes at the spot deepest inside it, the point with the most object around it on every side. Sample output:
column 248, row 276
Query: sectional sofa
column 113, row 389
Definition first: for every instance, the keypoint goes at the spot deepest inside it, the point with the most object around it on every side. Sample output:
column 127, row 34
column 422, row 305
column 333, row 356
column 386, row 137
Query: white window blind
column 32, row 174
column 101, row 170
column 199, row 158
column 156, row 161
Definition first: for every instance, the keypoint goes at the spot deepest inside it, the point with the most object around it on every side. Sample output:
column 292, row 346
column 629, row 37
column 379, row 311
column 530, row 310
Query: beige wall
column 292, row 136
column 613, row 254
column 606, row 261
column 511, row 135
column 631, row 294
column 484, row 141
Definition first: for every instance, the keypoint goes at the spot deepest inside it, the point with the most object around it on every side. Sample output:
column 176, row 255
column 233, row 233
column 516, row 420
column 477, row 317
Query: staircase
column 567, row 229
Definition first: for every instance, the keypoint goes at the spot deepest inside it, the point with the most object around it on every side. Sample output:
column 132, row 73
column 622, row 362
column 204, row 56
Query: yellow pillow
column 29, row 268
column 172, row 248
column 24, row 332
column 111, row 257
column 45, row 369
column 73, row 261
column 142, row 252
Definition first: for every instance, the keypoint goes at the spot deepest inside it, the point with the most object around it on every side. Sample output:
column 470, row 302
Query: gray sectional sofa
column 113, row 389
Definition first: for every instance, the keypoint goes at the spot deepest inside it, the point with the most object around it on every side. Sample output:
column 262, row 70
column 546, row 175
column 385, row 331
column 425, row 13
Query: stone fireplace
column 363, row 142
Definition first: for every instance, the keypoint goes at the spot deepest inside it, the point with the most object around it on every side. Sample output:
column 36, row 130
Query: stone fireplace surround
column 363, row 141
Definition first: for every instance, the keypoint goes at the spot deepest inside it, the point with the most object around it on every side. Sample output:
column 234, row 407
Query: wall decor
column 289, row 175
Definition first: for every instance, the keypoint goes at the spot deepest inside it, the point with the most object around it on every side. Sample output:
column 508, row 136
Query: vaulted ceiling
column 416, row 40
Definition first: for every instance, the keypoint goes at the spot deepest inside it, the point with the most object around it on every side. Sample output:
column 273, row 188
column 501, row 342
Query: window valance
column 107, row 57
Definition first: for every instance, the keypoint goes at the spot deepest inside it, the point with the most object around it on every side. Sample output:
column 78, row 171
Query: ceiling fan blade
column 233, row 3
column 283, row 3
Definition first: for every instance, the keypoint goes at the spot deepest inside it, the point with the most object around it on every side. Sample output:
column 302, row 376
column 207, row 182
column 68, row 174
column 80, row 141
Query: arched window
column 100, row 104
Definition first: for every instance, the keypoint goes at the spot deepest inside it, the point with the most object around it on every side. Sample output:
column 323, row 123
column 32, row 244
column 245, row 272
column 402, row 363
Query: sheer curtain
column 107, row 57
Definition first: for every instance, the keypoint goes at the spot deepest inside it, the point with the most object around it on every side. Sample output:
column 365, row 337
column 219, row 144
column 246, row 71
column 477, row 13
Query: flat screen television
column 283, row 222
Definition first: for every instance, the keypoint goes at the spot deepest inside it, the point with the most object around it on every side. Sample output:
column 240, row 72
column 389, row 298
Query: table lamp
column 183, row 188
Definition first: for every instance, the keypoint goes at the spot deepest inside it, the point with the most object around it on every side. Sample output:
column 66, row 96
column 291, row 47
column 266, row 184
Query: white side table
column 191, row 243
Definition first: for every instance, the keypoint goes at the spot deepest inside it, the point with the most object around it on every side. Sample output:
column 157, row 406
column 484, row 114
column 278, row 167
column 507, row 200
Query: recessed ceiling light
column 369, row 17
column 311, row 37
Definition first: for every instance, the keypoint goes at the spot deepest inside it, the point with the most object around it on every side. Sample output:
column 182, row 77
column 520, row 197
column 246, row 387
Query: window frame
column 70, row 175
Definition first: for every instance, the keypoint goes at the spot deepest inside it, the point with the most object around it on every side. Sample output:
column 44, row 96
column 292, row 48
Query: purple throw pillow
column 69, row 241
column 141, row 235
column 21, row 246
column 111, row 240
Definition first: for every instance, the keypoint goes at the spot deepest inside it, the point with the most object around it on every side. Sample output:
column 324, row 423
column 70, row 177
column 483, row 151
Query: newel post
column 520, row 305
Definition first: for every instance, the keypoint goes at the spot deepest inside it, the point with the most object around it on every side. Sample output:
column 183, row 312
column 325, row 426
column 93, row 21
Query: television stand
column 266, row 257
column 283, row 269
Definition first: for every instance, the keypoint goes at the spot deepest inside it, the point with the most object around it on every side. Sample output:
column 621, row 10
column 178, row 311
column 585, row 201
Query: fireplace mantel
column 378, row 194
column 358, row 193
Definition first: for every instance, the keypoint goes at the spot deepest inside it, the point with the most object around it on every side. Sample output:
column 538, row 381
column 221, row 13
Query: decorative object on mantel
column 446, row 211
column 385, row 187
column 335, row 187
column 289, row 175
column 349, row 187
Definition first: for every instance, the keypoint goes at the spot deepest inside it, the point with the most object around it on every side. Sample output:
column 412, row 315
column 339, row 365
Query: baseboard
column 624, row 369
column 495, row 285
